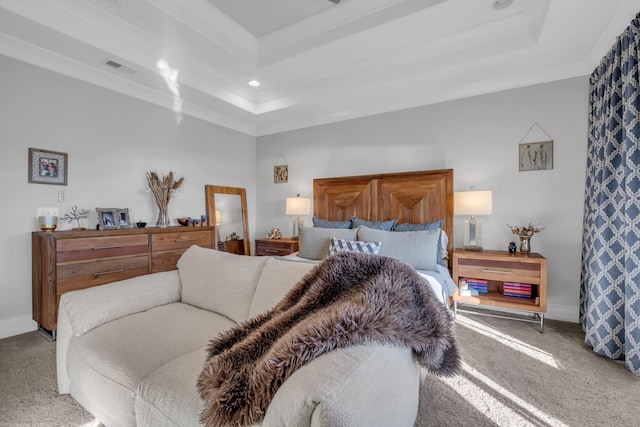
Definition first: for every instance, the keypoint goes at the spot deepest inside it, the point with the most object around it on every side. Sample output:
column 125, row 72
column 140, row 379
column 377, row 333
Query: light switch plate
column 47, row 212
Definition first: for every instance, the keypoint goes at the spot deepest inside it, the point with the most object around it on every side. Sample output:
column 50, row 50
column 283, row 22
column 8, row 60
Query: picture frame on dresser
column 108, row 218
column 122, row 218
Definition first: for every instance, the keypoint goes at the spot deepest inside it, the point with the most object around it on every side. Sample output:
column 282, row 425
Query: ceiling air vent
column 118, row 66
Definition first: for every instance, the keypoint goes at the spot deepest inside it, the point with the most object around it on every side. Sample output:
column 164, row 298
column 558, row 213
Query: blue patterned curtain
column 610, row 282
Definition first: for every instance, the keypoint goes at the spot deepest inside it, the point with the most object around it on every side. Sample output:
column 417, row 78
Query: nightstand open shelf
column 495, row 268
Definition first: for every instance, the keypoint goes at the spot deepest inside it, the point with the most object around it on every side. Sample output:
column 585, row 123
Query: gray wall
column 111, row 140
column 477, row 137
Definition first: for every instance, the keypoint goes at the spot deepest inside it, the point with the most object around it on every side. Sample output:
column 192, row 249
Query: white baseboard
column 17, row 326
column 565, row 313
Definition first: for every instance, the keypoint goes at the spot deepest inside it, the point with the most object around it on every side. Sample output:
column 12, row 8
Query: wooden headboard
column 414, row 197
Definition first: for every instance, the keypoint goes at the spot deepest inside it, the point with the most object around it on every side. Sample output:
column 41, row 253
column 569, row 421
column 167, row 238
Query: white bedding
column 439, row 281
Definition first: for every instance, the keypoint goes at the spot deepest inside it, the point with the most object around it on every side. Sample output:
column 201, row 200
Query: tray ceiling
column 318, row 62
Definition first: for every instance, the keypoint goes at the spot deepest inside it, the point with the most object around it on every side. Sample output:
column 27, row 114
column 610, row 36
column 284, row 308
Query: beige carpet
column 513, row 376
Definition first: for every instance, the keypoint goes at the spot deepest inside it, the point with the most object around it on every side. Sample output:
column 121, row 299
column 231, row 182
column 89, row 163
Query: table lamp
column 298, row 206
column 472, row 203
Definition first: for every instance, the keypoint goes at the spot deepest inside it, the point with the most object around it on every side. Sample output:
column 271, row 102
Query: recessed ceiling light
column 254, row 83
column 501, row 4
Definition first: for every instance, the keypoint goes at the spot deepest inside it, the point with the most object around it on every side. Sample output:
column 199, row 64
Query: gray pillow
column 314, row 242
column 442, row 248
column 417, row 248
column 378, row 225
column 324, row 223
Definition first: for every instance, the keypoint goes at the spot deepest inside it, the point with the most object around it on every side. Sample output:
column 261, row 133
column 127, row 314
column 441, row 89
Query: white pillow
column 417, row 248
column 314, row 241
column 337, row 245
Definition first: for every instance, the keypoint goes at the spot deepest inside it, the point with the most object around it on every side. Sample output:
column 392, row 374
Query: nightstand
column 502, row 273
column 276, row 247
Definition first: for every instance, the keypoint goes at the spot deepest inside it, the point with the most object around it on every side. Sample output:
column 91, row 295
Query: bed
column 409, row 202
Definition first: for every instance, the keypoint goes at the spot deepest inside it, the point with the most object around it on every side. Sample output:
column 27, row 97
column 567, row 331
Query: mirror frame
column 210, row 191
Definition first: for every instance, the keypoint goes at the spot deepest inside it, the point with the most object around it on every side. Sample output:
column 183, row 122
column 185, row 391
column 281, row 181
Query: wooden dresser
column 64, row 261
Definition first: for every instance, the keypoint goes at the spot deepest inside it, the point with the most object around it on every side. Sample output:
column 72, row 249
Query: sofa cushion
column 278, row 276
column 168, row 396
column 360, row 386
column 107, row 364
column 229, row 291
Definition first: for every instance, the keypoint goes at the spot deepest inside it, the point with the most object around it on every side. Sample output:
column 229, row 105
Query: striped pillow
column 337, row 245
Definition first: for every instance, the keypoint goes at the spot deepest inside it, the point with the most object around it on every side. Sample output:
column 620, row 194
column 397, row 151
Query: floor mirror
column 227, row 212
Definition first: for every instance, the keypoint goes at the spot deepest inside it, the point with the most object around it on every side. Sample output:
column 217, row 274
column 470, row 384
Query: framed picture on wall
column 535, row 156
column 47, row 167
column 280, row 174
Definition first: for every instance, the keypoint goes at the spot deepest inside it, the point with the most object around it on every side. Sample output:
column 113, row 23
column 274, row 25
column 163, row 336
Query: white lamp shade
column 218, row 217
column 472, row 203
column 298, row 206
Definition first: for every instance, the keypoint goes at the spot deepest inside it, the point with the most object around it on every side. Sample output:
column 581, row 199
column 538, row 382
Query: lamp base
column 473, row 235
column 297, row 223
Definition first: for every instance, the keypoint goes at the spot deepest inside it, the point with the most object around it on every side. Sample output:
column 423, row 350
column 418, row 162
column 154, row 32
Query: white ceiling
column 318, row 62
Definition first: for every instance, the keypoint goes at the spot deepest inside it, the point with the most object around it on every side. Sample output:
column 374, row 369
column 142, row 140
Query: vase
column 163, row 216
column 525, row 244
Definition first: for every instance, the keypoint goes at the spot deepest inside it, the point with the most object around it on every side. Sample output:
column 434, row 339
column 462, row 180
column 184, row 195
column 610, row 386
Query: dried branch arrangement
column 162, row 190
column 528, row 230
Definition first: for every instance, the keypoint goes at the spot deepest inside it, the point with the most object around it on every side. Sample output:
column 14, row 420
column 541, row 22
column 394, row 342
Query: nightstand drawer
column 512, row 271
column 281, row 247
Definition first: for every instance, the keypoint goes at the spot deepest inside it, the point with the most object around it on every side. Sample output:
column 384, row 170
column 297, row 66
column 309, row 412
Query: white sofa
column 130, row 352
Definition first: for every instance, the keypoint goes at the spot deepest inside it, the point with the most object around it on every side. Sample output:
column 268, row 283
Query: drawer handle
column 271, row 251
column 489, row 270
column 108, row 247
column 184, row 240
column 103, row 273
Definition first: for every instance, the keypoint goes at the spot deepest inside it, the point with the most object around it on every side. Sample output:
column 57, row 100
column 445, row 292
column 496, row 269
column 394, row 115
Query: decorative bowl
column 183, row 221
column 48, row 222
column 141, row 224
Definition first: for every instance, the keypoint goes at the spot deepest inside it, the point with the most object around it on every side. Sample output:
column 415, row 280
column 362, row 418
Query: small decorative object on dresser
column 162, row 190
column 525, row 233
column 107, row 218
column 512, row 247
column 275, row 234
column 76, row 215
column 276, row 247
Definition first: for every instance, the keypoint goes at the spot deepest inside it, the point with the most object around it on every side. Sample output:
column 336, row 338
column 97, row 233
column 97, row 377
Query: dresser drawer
column 85, row 274
column 499, row 270
column 180, row 240
column 100, row 247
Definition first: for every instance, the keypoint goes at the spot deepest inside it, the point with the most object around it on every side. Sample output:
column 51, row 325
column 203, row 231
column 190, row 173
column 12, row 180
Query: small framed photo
column 107, row 218
column 535, row 156
column 47, row 167
column 280, row 174
column 122, row 217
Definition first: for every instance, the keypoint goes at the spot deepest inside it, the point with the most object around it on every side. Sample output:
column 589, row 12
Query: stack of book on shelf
column 514, row 289
column 472, row 287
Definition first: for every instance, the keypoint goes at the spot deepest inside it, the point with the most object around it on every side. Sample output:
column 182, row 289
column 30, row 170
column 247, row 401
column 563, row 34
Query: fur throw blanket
column 345, row 300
